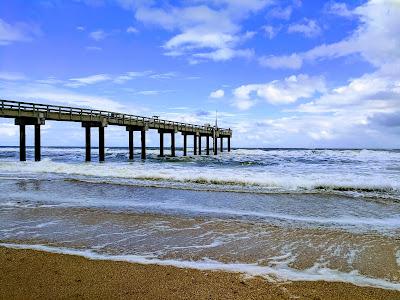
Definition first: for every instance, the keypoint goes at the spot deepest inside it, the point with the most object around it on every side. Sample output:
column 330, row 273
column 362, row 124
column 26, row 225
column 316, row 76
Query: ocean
column 284, row 214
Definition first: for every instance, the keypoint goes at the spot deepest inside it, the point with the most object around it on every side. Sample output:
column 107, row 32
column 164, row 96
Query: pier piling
column 130, row 144
column 22, row 142
column 184, row 144
column 87, row 144
column 101, row 144
column 37, row 142
column 161, row 143
column 26, row 113
column 173, row 144
column 143, row 140
column 222, row 144
column 199, row 144
column 194, row 144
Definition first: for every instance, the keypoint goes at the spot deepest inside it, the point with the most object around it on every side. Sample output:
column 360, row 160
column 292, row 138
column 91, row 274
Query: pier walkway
column 35, row 114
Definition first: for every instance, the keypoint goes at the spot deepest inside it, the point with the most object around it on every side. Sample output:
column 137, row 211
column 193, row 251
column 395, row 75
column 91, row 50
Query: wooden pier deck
column 26, row 113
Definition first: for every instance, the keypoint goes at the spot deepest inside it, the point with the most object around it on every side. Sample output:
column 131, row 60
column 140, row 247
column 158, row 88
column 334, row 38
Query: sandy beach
column 28, row 274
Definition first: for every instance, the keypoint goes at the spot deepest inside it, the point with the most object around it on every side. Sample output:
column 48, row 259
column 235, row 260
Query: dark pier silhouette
column 36, row 114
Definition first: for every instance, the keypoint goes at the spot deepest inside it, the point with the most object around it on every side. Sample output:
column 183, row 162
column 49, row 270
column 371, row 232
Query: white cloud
column 131, row 29
column 98, row 35
column 203, row 32
column 148, row 74
column 148, row 93
column 376, row 39
column 338, row 8
column 270, row 31
column 11, row 76
column 80, row 28
column 77, row 82
column 8, row 129
column 284, row 91
column 18, row 32
column 243, row 103
column 217, row 94
column 293, row 61
column 167, row 75
column 47, row 93
column 281, row 13
column 307, row 27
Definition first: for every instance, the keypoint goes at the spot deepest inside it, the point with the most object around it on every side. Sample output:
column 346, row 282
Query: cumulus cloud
column 202, row 32
column 217, row 94
column 18, row 32
column 379, row 21
column 285, row 91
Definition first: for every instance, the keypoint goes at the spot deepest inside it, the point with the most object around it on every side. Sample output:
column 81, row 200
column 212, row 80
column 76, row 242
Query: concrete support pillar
column 194, row 144
column 143, row 140
column 22, row 143
column 208, row 145
column 101, row 144
column 222, row 144
column 215, row 146
column 184, row 145
column 172, row 144
column 37, row 143
column 161, row 144
column 199, row 144
column 130, row 144
column 87, row 144
column 229, row 144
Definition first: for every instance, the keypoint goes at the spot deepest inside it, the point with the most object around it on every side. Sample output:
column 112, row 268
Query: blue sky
column 280, row 73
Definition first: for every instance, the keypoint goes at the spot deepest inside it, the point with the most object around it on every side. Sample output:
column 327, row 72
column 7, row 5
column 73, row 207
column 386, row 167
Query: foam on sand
column 274, row 272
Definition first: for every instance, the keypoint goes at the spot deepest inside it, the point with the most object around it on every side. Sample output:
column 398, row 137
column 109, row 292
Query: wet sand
column 28, row 274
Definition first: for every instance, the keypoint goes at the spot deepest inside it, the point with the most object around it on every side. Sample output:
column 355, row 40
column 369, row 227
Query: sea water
column 285, row 214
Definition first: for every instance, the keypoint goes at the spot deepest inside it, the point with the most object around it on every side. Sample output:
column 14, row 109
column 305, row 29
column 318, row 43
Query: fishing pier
column 36, row 114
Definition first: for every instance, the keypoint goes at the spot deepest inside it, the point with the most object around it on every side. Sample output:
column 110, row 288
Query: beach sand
column 28, row 274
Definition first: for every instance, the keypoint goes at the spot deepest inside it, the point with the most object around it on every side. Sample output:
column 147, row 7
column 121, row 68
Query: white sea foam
column 279, row 271
column 264, row 178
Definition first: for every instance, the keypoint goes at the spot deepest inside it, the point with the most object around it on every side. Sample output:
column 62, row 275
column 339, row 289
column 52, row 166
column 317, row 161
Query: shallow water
column 285, row 214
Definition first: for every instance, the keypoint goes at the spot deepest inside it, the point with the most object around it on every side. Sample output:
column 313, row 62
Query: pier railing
column 66, row 113
column 29, row 113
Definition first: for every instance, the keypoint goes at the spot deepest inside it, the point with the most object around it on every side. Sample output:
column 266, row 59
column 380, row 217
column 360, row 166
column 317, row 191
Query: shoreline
column 34, row 274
